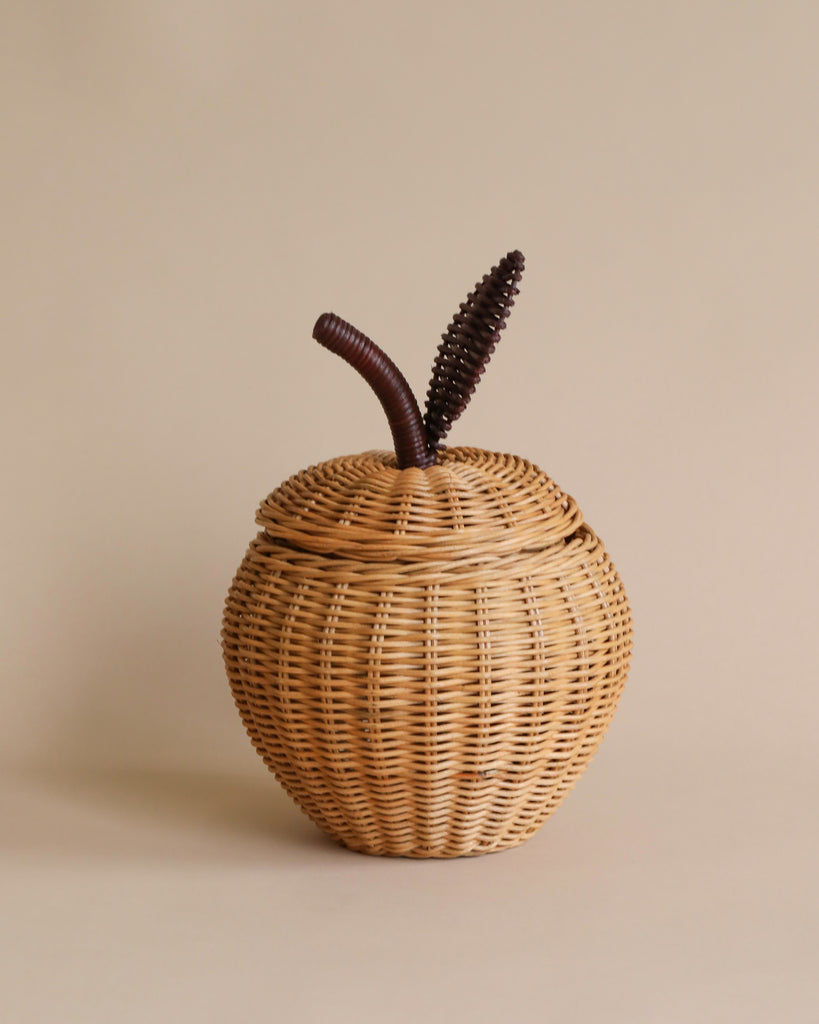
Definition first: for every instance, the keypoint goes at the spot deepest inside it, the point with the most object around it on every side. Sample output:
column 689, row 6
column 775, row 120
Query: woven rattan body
column 427, row 659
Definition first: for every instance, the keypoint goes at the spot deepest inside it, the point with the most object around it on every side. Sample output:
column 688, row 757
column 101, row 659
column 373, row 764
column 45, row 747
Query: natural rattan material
column 426, row 659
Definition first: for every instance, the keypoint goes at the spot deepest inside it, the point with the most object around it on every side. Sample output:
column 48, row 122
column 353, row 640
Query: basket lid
column 472, row 504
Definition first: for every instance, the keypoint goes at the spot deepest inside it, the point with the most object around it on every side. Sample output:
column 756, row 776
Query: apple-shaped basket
column 427, row 647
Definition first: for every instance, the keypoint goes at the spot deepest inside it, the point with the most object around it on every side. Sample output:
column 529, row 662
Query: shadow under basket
column 427, row 659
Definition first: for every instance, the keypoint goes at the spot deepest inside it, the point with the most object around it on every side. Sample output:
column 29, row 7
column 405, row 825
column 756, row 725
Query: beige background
column 185, row 187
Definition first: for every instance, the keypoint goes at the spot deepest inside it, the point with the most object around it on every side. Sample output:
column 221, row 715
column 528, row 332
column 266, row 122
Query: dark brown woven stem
column 386, row 380
column 468, row 343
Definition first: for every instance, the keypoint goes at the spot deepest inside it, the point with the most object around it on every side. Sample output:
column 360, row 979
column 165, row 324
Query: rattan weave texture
column 427, row 659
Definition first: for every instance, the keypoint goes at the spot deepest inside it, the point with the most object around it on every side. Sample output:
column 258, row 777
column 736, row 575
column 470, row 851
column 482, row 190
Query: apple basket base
column 426, row 659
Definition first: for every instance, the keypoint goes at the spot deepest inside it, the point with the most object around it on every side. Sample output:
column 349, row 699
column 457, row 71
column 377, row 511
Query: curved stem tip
column 380, row 372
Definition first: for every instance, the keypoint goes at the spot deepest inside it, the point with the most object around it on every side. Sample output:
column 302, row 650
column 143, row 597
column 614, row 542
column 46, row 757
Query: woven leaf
column 468, row 344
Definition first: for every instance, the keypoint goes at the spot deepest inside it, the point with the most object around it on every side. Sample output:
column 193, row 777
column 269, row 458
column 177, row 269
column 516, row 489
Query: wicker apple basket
column 427, row 657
